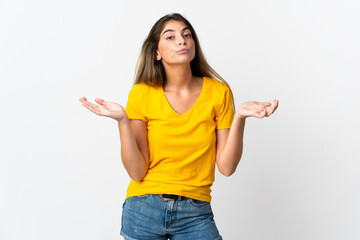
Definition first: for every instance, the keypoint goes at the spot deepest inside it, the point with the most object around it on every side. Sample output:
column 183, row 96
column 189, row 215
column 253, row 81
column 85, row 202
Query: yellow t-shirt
column 182, row 146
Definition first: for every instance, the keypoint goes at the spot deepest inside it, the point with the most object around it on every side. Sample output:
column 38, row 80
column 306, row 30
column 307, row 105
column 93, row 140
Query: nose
column 181, row 40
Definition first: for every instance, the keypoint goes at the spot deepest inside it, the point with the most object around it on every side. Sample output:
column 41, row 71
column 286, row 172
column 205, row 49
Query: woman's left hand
column 256, row 109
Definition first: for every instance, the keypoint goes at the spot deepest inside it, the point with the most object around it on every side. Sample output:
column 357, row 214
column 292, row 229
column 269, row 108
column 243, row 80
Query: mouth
column 184, row 50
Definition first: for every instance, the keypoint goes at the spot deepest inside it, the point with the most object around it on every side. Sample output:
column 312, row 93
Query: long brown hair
column 152, row 72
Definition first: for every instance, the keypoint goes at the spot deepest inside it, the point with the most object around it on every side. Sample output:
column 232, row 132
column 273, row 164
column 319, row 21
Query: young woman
column 178, row 122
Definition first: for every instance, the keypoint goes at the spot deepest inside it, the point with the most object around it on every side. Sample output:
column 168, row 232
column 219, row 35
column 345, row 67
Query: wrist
column 122, row 121
column 239, row 117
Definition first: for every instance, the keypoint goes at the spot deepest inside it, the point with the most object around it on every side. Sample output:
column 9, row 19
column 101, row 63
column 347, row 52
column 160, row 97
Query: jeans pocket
column 198, row 203
column 142, row 196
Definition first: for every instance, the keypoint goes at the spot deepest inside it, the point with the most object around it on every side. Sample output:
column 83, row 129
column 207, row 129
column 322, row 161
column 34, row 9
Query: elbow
column 229, row 168
column 138, row 170
column 137, row 177
column 227, row 165
column 227, row 172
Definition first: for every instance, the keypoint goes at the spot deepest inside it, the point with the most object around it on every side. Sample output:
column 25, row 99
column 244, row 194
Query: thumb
column 100, row 101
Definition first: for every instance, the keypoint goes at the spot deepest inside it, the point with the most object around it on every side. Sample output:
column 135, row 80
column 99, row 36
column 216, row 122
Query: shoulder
column 139, row 87
column 217, row 86
column 139, row 90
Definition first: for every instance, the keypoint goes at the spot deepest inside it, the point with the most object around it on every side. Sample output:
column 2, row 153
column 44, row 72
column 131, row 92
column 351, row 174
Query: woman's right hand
column 106, row 109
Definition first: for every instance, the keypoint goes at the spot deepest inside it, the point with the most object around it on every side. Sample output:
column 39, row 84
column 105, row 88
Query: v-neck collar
column 193, row 106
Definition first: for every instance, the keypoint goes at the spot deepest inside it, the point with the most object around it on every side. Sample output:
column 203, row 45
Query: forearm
column 232, row 152
column 131, row 156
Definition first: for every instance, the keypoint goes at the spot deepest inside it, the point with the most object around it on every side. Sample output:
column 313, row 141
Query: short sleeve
column 135, row 106
column 225, row 114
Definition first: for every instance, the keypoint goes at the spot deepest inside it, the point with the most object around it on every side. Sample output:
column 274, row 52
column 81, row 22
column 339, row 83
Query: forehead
column 174, row 25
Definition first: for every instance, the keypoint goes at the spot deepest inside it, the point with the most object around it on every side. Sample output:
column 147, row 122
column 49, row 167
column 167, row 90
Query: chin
column 184, row 60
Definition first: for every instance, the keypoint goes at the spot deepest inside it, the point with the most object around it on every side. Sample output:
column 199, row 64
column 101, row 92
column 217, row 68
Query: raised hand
column 106, row 109
column 256, row 109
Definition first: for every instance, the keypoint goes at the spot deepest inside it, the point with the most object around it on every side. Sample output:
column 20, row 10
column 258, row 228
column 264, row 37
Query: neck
column 178, row 77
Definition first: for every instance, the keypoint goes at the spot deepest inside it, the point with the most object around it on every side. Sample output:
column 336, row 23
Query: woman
column 179, row 121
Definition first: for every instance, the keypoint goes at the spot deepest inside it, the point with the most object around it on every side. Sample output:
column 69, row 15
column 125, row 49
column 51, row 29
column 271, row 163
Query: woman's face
column 176, row 45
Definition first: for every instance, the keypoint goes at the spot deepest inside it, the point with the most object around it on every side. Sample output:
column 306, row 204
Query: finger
column 100, row 101
column 95, row 109
column 270, row 110
column 263, row 114
column 265, row 103
column 260, row 114
column 273, row 108
column 82, row 99
column 276, row 104
column 88, row 107
column 87, row 104
column 259, row 107
column 91, row 106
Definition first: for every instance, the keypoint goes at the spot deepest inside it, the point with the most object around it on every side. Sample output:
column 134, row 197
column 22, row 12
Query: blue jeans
column 147, row 217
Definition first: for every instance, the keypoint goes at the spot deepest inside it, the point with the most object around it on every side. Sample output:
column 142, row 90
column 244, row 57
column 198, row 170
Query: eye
column 170, row 37
column 188, row 35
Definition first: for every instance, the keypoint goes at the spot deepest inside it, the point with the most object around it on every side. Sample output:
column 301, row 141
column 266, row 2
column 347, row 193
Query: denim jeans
column 147, row 217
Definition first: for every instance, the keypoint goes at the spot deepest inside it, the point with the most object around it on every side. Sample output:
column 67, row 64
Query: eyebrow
column 171, row 30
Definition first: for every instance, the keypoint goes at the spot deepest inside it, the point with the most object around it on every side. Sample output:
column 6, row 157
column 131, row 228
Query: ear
column 158, row 57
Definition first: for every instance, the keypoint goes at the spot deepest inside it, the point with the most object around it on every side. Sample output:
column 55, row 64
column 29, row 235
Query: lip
column 184, row 50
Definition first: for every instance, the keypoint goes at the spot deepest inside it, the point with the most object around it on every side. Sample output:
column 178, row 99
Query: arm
column 134, row 147
column 229, row 142
column 229, row 146
column 133, row 136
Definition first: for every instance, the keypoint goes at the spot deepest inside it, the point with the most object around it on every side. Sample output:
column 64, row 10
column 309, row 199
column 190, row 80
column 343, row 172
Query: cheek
column 163, row 48
column 193, row 46
column 192, row 43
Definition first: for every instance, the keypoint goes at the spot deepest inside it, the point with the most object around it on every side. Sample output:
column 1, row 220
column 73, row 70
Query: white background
column 61, row 175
